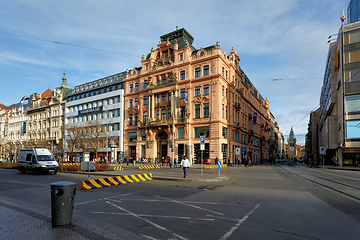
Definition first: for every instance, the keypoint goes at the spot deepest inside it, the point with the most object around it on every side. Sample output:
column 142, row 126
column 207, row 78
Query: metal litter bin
column 62, row 203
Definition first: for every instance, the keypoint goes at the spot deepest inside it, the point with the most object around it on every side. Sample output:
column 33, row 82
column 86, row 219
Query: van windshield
column 45, row 158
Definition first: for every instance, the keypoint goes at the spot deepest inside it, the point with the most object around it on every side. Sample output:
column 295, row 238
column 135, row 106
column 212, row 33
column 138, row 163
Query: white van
column 37, row 159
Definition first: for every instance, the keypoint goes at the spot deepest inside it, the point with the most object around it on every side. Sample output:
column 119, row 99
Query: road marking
column 238, row 224
column 120, row 195
column 158, row 216
column 190, row 205
column 144, row 219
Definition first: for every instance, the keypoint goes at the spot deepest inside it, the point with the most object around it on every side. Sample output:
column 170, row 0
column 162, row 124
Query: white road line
column 157, row 200
column 190, row 205
column 159, row 216
column 148, row 221
column 237, row 225
column 120, row 195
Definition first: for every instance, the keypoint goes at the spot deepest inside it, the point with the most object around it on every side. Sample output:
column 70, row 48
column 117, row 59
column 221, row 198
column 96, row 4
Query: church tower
column 291, row 145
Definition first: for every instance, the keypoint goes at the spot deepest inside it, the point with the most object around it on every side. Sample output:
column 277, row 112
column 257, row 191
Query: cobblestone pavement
column 21, row 222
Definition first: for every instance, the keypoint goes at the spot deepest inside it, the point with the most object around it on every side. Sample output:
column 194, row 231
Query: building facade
column 181, row 94
column 45, row 126
column 96, row 104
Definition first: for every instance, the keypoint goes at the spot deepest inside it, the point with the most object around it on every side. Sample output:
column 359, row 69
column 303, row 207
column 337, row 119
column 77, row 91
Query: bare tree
column 73, row 135
column 95, row 135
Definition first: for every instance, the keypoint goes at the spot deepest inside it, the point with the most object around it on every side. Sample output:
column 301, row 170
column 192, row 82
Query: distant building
column 46, row 119
column 291, row 147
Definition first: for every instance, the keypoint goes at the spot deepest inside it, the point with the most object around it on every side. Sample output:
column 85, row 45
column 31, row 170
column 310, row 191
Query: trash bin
column 62, row 203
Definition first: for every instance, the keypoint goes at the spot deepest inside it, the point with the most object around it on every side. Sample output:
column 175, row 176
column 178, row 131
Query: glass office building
column 353, row 11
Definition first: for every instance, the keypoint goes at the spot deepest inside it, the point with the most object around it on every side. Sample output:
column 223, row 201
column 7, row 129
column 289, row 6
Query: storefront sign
column 351, row 150
column 90, row 110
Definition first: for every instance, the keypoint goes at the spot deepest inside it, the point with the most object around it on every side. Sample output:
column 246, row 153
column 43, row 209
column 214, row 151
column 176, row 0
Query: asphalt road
column 260, row 202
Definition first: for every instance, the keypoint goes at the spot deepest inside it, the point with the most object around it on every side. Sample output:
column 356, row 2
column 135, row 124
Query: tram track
column 300, row 173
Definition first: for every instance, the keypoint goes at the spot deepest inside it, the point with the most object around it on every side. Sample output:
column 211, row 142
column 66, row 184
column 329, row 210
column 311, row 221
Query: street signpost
column 90, row 165
column 237, row 154
column 202, row 148
column 322, row 152
column 219, row 166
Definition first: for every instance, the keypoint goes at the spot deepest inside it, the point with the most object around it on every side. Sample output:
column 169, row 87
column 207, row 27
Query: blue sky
column 275, row 39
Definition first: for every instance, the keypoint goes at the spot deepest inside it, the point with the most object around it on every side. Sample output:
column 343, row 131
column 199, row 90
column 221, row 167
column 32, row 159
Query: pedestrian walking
column 334, row 161
column 175, row 163
column 185, row 164
column 162, row 161
column 229, row 162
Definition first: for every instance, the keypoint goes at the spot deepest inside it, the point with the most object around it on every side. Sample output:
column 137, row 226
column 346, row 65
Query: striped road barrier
column 150, row 166
column 70, row 164
column 118, row 168
column 113, row 181
column 214, row 166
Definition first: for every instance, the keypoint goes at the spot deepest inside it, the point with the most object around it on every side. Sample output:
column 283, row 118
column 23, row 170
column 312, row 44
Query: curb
column 192, row 180
column 113, row 181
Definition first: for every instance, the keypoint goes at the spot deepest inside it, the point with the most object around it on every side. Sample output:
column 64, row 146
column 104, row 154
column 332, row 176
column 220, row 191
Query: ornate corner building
column 181, row 93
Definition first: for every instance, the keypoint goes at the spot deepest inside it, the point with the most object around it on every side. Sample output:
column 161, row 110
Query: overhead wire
column 67, row 44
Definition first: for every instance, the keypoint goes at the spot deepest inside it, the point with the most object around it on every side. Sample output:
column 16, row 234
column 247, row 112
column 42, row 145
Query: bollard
column 62, row 203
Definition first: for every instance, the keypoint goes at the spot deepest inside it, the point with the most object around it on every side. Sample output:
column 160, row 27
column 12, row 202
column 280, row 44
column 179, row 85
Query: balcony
column 162, row 104
column 237, row 106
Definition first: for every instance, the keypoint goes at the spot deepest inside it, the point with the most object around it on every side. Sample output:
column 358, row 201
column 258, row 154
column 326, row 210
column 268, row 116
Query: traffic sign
column 237, row 151
column 322, row 150
column 202, row 143
column 219, row 165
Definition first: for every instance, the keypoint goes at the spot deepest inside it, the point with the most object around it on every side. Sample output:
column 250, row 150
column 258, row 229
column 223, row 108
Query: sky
column 282, row 44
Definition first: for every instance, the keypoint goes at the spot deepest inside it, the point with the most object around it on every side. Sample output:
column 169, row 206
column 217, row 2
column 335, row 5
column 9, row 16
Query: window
column 223, row 91
column 206, row 110
column 136, row 102
column 206, row 89
column 131, row 88
column 180, row 133
column 222, row 111
column 201, row 132
column 145, row 115
column 157, row 115
column 181, row 57
column 136, row 87
column 130, row 119
column 132, row 136
column 163, row 114
column 224, row 132
column 158, row 98
column 182, row 112
column 226, row 116
column 182, row 93
column 143, row 135
column 169, row 113
column 145, row 100
column 163, row 97
column 197, row 72
column 206, row 71
column 163, row 80
column 197, row 91
column 182, row 75
column 197, row 111
column 131, row 103
column 136, row 118
column 222, row 71
column 145, row 83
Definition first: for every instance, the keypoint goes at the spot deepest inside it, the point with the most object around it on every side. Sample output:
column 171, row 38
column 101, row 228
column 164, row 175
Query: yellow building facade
column 181, row 94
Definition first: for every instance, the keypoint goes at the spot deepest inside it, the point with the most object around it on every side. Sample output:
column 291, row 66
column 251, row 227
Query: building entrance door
column 162, row 140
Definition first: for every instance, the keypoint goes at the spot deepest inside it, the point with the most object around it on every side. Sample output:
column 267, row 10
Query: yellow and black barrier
column 118, row 168
column 214, row 166
column 113, row 181
column 69, row 164
column 150, row 166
